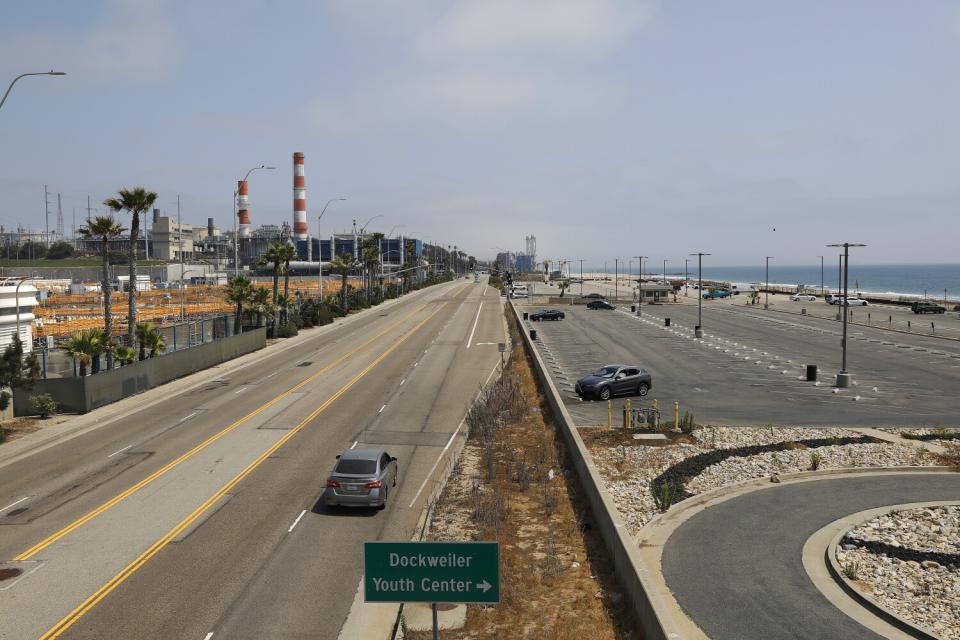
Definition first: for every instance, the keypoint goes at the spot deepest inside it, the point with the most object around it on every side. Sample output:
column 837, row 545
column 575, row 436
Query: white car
column 856, row 302
column 803, row 297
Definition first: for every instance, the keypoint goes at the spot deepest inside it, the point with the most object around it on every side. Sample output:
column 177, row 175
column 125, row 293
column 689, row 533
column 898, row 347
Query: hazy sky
column 605, row 128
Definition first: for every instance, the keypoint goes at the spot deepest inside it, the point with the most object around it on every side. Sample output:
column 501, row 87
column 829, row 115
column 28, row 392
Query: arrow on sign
column 484, row 586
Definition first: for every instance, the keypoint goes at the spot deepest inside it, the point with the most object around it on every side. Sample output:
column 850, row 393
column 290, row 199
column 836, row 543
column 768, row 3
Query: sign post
column 431, row 572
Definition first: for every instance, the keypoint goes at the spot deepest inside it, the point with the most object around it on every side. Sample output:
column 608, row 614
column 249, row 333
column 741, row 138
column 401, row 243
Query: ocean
column 903, row 279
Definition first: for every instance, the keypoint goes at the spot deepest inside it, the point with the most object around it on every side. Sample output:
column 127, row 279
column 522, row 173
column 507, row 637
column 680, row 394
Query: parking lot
column 748, row 367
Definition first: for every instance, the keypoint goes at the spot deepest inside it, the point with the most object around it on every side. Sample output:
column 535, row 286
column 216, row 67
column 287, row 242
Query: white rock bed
column 927, row 594
column 628, row 470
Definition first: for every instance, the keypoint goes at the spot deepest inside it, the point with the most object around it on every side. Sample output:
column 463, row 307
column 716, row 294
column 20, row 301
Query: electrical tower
column 60, row 234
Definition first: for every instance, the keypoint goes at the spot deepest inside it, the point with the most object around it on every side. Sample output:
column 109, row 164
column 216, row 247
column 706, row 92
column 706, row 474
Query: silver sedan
column 361, row 478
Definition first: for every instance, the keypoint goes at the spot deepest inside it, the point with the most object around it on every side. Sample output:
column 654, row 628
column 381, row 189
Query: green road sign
column 431, row 572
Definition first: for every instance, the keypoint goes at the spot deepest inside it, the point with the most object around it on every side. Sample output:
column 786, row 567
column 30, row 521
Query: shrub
column 852, row 570
column 951, row 457
column 4, row 400
column 663, row 496
column 686, row 423
column 43, row 405
column 287, row 331
column 815, row 459
column 3, row 434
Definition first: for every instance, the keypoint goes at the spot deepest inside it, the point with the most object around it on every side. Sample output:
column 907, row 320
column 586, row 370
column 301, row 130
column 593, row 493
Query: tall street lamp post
column 640, row 286
column 236, row 230
column 821, row 277
column 843, row 378
column 698, row 330
column 766, row 301
column 581, row 276
column 24, row 75
column 319, row 252
column 686, row 275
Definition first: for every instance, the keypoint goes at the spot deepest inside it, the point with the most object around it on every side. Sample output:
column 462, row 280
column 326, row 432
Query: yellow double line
column 46, row 542
column 155, row 548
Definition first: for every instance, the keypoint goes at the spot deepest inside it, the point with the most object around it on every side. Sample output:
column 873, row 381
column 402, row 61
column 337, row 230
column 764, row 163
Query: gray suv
column 361, row 478
column 614, row 380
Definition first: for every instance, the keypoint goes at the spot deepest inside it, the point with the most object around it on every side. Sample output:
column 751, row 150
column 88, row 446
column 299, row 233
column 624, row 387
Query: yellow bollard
column 628, row 416
column 676, row 414
column 609, row 414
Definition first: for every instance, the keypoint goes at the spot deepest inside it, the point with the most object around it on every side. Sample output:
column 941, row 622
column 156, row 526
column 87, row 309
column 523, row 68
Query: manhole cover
column 6, row 574
column 304, row 364
column 16, row 512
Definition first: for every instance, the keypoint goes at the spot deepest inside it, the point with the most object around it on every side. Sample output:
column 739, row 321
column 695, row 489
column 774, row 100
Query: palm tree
column 143, row 331
column 343, row 264
column 370, row 255
column 101, row 344
column 105, row 228
column 259, row 303
column 274, row 257
column 125, row 355
column 137, row 201
column 155, row 343
column 82, row 346
column 239, row 292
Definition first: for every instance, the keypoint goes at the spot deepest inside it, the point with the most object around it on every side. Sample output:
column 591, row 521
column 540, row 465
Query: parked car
column 595, row 296
column 361, row 478
column 927, row 307
column 803, row 297
column 547, row 314
column 856, row 302
column 716, row 293
column 599, row 304
column 614, row 380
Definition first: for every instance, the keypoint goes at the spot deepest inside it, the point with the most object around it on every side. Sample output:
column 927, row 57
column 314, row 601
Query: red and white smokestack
column 299, row 198
column 243, row 210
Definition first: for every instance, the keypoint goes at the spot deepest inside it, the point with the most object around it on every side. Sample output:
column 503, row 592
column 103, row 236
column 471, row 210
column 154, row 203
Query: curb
column 836, row 571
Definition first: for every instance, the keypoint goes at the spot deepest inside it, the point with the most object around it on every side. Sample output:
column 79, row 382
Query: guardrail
column 624, row 554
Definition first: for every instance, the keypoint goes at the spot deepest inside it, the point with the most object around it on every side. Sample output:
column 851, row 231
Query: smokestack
column 299, row 199
column 209, row 227
column 243, row 211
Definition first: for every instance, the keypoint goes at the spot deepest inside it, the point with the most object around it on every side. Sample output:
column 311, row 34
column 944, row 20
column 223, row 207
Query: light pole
column 664, row 272
column 16, row 294
column 640, row 286
column 686, row 275
column 581, row 276
column 843, row 378
column 766, row 291
column 821, row 277
column 320, row 256
column 616, row 278
column 236, row 232
column 24, row 75
column 698, row 330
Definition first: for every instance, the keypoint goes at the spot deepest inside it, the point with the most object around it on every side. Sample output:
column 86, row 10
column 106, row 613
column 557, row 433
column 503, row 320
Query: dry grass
column 18, row 427
column 951, row 458
column 556, row 581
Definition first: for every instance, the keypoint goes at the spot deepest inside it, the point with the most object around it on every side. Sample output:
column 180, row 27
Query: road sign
column 431, row 572
column 502, row 346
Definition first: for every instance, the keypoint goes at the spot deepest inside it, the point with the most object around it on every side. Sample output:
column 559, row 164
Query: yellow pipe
column 609, row 414
column 676, row 414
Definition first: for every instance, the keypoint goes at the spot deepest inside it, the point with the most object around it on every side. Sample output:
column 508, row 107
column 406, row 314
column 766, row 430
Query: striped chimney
column 243, row 208
column 299, row 198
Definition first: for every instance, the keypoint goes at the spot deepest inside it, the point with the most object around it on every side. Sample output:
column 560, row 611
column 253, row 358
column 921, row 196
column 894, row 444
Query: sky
column 607, row 129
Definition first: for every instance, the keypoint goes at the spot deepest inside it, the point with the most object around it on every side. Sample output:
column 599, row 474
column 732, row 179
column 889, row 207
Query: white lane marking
column 402, row 381
column 475, row 321
column 240, row 390
column 452, row 436
column 267, row 377
column 297, row 521
column 14, row 504
column 416, row 363
column 208, row 636
column 28, row 573
column 120, row 451
column 354, row 444
column 187, row 417
column 382, row 408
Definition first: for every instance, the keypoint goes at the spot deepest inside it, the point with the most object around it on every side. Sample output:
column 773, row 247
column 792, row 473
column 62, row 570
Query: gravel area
column 926, row 433
column 924, row 592
column 629, row 466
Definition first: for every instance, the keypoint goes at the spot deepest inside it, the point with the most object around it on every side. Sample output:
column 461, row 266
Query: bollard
column 908, row 325
column 676, row 414
column 933, row 329
column 627, row 413
column 624, row 417
column 868, row 318
column 609, row 414
column 890, row 321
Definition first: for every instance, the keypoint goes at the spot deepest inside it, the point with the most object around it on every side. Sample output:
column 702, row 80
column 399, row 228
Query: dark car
column 927, row 307
column 547, row 314
column 614, row 380
column 599, row 304
column 595, row 296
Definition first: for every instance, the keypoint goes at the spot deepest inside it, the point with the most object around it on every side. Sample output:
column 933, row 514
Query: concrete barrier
column 624, row 555
column 80, row 395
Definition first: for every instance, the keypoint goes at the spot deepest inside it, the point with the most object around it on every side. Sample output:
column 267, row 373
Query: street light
column 843, row 378
column 640, row 286
column 332, row 243
column 766, row 301
column 236, row 232
column 698, row 330
column 24, row 75
column 821, row 277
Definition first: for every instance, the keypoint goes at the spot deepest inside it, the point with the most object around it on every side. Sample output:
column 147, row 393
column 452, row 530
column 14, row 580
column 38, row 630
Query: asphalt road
column 736, row 568
column 177, row 521
column 747, row 369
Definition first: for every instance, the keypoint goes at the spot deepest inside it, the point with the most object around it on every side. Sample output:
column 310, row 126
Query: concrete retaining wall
column 627, row 564
column 81, row 395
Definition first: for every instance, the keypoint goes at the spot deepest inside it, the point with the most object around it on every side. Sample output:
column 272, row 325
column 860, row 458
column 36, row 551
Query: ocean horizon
column 933, row 280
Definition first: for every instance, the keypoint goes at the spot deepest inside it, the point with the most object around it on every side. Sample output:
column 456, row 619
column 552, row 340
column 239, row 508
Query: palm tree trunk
column 107, row 309
column 83, row 368
column 132, row 292
column 143, row 351
column 343, row 290
column 237, row 318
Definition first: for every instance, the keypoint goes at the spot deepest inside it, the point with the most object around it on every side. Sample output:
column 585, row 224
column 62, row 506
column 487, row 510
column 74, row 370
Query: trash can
column 526, row 315
column 698, row 331
column 811, row 373
column 803, row 311
column 633, row 308
column 666, row 322
column 533, row 334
